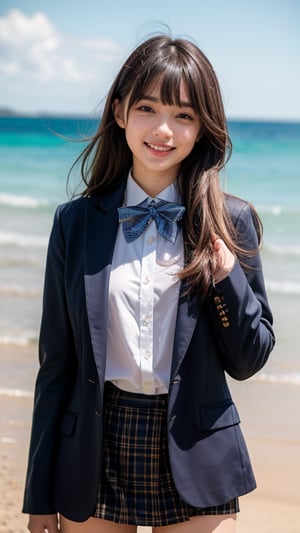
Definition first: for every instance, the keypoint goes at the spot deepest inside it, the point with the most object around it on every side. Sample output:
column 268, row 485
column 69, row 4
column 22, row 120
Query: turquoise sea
column 35, row 156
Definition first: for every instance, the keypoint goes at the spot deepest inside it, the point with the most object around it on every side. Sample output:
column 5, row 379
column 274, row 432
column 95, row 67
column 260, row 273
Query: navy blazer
column 230, row 331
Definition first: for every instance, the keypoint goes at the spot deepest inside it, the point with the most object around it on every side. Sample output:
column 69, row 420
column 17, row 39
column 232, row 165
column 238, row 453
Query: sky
column 61, row 56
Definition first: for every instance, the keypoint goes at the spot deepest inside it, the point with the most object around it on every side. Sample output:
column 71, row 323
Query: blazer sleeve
column 240, row 311
column 57, row 366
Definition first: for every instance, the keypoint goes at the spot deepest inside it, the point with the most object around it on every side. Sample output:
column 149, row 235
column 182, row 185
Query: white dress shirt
column 143, row 301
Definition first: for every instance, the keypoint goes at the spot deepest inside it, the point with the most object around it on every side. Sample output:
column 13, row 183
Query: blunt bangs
column 171, row 72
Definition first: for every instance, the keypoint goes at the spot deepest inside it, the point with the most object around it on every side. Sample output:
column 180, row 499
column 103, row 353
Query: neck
column 153, row 188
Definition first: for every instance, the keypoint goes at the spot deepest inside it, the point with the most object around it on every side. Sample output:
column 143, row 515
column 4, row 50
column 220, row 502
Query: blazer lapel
column 101, row 226
column 187, row 315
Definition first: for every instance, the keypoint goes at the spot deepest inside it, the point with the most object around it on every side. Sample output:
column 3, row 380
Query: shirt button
column 150, row 240
column 147, row 386
column 147, row 355
column 146, row 280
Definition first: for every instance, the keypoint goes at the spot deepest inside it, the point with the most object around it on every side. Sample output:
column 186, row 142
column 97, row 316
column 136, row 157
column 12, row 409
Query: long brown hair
column 107, row 158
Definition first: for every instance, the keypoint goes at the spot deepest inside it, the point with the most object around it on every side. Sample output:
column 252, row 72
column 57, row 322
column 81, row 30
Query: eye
column 185, row 116
column 145, row 108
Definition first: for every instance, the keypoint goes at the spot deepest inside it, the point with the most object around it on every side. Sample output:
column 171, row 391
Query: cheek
column 189, row 135
column 130, row 134
column 134, row 129
column 190, row 139
column 129, row 140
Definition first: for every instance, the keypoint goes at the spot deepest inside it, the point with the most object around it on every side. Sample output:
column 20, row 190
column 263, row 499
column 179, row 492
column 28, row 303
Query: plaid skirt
column 137, row 486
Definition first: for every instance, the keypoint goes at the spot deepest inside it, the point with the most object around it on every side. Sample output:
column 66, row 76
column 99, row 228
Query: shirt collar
column 135, row 194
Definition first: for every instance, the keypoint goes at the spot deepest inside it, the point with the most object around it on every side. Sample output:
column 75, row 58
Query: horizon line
column 6, row 112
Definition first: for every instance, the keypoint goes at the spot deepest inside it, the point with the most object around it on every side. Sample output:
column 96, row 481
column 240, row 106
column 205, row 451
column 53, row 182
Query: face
column 160, row 137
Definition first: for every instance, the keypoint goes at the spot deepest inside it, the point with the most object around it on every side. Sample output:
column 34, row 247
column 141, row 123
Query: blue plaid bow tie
column 136, row 218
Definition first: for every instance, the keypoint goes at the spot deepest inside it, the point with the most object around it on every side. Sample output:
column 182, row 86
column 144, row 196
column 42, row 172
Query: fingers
column 43, row 524
column 222, row 260
column 217, row 245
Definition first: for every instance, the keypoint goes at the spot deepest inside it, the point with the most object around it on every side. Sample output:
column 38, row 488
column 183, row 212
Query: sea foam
column 20, row 239
column 25, row 338
column 283, row 287
column 15, row 393
column 292, row 378
column 13, row 200
column 282, row 250
column 13, row 289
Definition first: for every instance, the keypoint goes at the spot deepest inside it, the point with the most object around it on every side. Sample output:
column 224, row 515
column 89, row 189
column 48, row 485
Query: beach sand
column 271, row 427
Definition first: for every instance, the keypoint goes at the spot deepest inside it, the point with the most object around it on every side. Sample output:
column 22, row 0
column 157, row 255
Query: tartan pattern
column 137, row 486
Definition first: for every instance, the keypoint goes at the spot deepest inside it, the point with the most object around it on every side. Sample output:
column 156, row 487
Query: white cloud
column 31, row 48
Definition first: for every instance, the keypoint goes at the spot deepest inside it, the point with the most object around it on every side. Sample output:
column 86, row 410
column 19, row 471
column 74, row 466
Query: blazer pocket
column 219, row 416
column 68, row 423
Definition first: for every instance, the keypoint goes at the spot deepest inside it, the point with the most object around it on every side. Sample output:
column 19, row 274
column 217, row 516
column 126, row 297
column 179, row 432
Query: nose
column 162, row 130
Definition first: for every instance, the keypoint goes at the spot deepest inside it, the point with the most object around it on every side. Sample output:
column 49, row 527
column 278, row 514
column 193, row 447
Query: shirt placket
column 146, row 309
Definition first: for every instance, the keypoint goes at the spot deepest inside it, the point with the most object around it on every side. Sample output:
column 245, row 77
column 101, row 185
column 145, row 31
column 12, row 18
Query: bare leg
column 94, row 525
column 202, row 524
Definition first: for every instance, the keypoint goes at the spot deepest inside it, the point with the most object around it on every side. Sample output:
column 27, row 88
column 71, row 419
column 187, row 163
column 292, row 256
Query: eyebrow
column 157, row 100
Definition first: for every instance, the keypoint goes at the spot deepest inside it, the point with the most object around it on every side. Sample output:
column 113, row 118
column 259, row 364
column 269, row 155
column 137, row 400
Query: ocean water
column 36, row 154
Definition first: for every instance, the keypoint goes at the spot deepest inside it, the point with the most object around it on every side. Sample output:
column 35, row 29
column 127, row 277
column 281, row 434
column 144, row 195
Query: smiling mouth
column 158, row 148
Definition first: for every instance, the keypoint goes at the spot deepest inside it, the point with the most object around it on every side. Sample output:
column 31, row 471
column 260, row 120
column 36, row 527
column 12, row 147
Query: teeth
column 160, row 148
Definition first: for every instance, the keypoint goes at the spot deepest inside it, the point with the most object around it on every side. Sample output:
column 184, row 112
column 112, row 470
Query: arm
column 57, row 366
column 239, row 308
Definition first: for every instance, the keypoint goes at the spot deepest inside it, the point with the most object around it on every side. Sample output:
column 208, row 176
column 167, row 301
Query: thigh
column 202, row 524
column 94, row 525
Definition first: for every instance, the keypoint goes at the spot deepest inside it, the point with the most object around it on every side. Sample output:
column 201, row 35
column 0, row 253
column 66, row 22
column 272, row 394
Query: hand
column 43, row 523
column 223, row 259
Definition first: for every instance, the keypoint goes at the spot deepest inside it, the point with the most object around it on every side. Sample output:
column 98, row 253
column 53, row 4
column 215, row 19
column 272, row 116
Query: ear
column 118, row 111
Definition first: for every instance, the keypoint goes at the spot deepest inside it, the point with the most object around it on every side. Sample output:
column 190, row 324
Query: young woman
column 153, row 290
